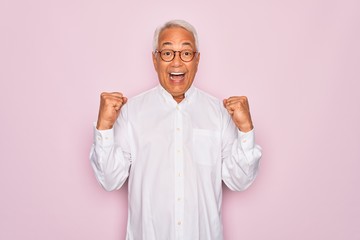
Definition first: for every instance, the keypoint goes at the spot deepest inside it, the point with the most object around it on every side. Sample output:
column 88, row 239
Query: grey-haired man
column 176, row 145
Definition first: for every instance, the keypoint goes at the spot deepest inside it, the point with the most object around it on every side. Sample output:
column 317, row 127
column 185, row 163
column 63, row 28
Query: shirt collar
column 167, row 96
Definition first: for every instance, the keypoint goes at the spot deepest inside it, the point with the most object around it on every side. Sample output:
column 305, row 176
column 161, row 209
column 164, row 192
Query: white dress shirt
column 176, row 157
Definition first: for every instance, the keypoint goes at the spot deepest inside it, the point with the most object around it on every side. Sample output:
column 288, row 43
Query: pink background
column 297, row 61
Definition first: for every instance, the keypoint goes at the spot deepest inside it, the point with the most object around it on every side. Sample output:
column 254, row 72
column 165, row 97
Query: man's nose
column 177, row 60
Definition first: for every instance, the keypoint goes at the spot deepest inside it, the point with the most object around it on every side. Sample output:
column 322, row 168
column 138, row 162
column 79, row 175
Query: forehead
column 176, row 36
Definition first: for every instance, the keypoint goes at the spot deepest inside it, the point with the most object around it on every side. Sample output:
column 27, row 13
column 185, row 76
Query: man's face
column 176, row 76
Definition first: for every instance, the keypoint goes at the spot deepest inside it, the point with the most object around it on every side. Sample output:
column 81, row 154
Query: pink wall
column 297, row 61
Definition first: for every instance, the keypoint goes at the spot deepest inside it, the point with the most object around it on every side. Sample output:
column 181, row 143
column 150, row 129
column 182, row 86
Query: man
column 175, row 144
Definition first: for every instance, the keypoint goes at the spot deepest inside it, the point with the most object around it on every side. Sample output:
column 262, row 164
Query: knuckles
column 115, row 97
column 237, row 98
column 111, row 95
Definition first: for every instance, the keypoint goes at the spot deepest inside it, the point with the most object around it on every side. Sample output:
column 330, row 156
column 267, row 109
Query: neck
column 179, row 98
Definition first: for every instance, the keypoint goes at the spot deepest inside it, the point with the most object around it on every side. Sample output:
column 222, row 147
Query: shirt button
column 178, row 151
column 178, row 129
column 177, row 107
column 179, row 174
column 179, row 199
column 179, row 223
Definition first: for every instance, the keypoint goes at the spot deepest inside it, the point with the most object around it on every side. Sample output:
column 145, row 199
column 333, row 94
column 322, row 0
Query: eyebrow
column 183, row 44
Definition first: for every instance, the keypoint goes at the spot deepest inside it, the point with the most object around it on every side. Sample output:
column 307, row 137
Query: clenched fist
column 110, row 105
column 239, row 110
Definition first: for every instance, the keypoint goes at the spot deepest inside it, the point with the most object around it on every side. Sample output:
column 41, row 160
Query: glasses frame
column 194, row 53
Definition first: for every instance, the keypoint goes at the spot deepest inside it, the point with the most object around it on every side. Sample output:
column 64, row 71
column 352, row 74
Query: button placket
column 178, row 176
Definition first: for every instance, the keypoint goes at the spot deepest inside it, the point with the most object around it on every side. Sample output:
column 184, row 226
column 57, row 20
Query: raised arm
column 110, row 153
column 240, row 153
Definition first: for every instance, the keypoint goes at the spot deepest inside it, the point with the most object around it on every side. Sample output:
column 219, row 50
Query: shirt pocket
column 206, row 146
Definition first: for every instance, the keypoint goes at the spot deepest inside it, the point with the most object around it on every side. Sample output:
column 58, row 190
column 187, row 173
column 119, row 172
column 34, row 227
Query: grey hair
column 175, row 23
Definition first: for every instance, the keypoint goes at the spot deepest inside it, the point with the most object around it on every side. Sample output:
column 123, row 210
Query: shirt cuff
column 246, row 140
column 103, row 137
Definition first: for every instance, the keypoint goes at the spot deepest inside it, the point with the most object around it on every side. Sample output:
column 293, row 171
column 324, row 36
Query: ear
column 197, row 58
column 155, row 60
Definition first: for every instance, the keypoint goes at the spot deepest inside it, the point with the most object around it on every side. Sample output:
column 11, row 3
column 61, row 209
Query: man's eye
column 167, row 53
column 187, row 53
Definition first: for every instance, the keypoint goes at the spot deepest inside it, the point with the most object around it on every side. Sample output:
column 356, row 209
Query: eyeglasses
column 168, row 55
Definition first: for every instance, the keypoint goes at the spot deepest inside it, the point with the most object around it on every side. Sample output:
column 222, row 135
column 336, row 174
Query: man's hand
column 110, row 105
column 238, row 108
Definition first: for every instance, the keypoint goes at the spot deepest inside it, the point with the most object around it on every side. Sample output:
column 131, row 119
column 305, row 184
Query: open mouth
column 177, row 76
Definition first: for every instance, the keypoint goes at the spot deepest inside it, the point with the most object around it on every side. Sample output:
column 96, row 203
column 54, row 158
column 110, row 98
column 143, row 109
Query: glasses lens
column 167, row 55
column 187, row 55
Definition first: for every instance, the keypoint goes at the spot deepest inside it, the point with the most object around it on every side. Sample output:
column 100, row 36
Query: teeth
column 176, row 73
